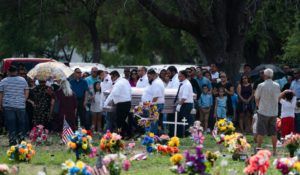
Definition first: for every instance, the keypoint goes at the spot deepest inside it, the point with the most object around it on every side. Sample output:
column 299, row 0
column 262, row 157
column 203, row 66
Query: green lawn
column 52, row 156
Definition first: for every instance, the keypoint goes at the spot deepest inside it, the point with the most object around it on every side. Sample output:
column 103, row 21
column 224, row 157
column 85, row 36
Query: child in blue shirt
column 205, row 102
column 220, row 106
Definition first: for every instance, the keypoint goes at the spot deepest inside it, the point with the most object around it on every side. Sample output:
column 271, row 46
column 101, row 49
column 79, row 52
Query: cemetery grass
column 51, row 156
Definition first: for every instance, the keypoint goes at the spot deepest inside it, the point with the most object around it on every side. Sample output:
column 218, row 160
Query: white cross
column 175, row 123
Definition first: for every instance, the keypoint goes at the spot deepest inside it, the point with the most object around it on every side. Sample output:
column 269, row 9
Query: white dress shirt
column 186, row 92
column 143, row 82
column 106, row 85
column 121, row 92
column 173, row 83
column 155, row 90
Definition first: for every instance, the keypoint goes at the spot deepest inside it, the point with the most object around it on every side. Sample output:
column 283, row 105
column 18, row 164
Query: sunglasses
column 78, row 72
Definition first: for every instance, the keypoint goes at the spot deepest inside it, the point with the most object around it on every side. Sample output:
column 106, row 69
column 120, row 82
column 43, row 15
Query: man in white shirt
column 120, row 95
column 185, row 101
column 155, row 93
column 173, row 78
column 266, row 98
column 106, row 86
column 143, row 80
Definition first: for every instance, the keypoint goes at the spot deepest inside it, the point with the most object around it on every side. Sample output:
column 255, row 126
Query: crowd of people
column 252, row 104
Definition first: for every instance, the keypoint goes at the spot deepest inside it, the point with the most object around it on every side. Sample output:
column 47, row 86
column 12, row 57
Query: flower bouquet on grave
column 167, row 150
column 38, row 134
column 148, row 116
column 212, row 157
column 259, row 163
column 111, row 143
column 149, row 142
column 80, row 143
column 79, row 168
column 237, row 144
column 292, row 143
column 115, row 163
column 194, row 164
column 222, row 127
column 285, row 165
column 196, row 133
column 21, row 152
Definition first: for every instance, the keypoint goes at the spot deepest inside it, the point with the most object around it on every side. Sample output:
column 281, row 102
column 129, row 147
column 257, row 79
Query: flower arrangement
column 194, row 164
column 196, row 133
column 292, row 143
column 149, row 141
column 285, row 165
column 21, row 152
column 174, row 142
column 260, row 163
column 38, row 134
column 80, row 143
column 115, row 163
column 211, row 157
column 79, row 168
column 236, row 143
column 225, row 126
column 4, row 169
column 111, row 142
column 148, row 114
column 167, row 150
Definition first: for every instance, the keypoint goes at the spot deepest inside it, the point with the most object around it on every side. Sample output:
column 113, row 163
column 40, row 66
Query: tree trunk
column 96, row 56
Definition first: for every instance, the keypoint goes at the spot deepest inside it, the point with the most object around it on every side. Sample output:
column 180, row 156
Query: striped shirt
column 13, row 89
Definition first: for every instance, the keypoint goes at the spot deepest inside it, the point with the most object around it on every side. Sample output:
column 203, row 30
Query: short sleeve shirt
column 13, row 92
column 79, row 87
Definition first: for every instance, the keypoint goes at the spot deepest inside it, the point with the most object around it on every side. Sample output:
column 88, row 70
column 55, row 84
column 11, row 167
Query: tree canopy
column 114, row 32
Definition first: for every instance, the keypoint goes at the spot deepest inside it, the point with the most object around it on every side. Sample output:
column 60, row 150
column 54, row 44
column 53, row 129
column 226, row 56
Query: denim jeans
column 15, row 122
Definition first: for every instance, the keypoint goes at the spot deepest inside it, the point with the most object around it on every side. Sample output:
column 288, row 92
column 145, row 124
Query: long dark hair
column 95, row 84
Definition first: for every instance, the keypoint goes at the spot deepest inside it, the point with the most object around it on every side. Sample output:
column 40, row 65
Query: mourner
column 155, row 93
column 143, row 80
column 173, row 78
column 121, row 97
column 184, row 99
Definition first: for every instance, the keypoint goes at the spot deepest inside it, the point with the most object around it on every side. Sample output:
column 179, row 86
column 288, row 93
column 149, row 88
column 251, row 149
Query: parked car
column 28, row 63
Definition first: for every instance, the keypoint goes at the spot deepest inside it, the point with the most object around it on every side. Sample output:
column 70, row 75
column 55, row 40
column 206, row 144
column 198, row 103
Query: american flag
column 67, row 131
column 99, row 169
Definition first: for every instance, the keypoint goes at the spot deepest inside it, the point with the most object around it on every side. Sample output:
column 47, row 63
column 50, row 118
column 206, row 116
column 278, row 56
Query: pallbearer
column 121, row 97
column 155, row 93
column 184, row 100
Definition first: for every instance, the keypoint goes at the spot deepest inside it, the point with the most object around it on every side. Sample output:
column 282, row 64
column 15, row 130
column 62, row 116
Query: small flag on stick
column 67, row 131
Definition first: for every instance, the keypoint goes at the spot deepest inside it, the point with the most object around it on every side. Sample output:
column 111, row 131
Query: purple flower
column 180, row 169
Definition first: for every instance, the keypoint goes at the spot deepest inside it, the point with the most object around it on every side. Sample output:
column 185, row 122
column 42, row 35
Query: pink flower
column 93, row 152
column 126, row 165
column 131, row 145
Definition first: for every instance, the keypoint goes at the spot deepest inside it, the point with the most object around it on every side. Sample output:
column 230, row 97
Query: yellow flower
column 151, row 134
column 112, row 142
column 297, row 166
column 174, row 142
column 69, row 163
column 23, row 143
column 12, row 149
column 84, row 146
column 8, row 153
column 80, row 164
column 176, row 158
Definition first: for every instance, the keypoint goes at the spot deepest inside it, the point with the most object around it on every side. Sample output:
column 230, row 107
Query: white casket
column 137, row 93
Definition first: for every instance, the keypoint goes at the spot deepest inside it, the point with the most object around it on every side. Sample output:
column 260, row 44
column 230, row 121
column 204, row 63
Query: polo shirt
column 79, row 87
